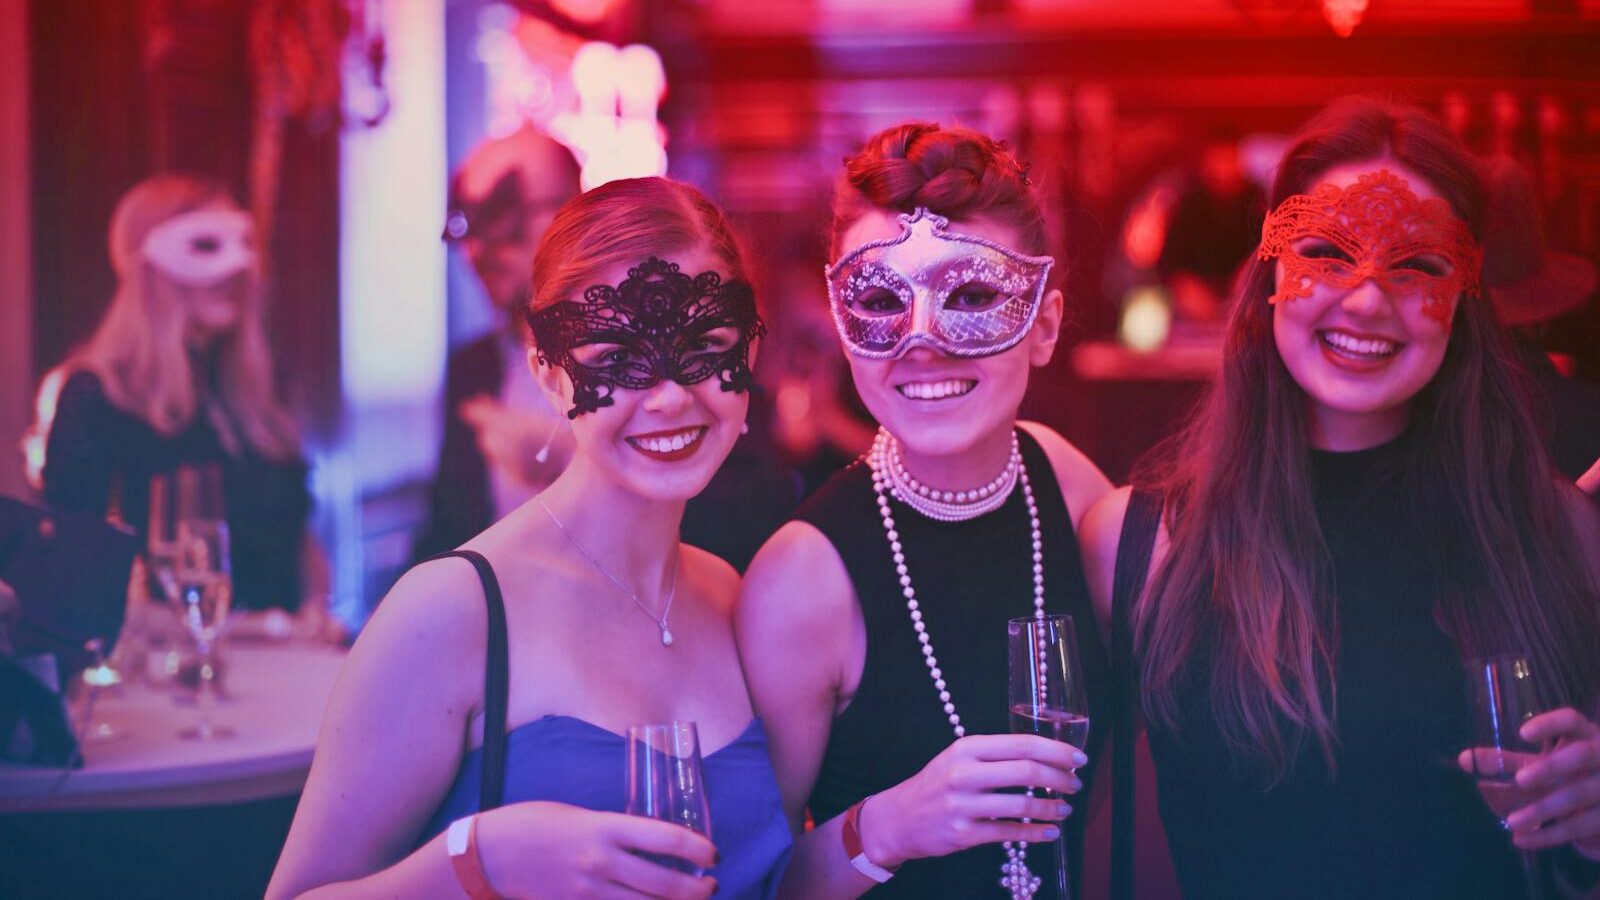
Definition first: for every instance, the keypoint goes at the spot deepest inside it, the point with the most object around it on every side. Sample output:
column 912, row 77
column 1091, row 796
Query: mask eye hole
column 602, row 356
column 879, row 301
column 1426, row 264
column 206, row 244
column 715, row 340
column 974, row 296
column 1316, row 248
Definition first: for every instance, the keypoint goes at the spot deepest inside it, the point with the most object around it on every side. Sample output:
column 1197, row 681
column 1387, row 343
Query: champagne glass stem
column 205, row 697
column 1530, row 874
column 1063, row 877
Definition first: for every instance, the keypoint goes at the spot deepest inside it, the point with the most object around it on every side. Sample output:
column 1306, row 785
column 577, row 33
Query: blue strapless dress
column 568, row 760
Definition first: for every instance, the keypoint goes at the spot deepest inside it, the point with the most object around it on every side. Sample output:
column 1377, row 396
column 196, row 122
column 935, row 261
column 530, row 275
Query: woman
column 959, row 519
column 1362, row 505
column 642, row 325
column 177, row 373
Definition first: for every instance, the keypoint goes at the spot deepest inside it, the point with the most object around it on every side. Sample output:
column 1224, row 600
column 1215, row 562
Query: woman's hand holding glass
column 954, row 802
column 1557, row 792
column 542, row 849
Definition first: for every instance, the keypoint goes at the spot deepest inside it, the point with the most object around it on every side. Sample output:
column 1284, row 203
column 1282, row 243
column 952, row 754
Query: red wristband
column 853, row 849
column 461, row 842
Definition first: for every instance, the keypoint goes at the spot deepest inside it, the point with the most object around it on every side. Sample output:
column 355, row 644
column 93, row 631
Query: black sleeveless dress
column 1396, row 818
column 970, row 577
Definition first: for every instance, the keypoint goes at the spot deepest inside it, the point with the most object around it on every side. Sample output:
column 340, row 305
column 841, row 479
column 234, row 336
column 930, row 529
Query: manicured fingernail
column 1063, row 810
column 1052, row 833
column 1079, row 758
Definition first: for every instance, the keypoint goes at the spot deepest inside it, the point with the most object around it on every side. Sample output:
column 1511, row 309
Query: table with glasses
column 276, row 694
column 153, row 814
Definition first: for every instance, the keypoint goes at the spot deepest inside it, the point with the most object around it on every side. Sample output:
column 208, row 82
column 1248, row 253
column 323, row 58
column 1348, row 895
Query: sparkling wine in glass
column 666, row 781
column 161, row 537
column 1047, row 695
column 1504, row 696
column 203, row 577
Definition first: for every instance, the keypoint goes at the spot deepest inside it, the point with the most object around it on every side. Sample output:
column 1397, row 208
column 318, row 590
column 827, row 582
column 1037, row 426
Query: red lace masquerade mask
column 1378, row 229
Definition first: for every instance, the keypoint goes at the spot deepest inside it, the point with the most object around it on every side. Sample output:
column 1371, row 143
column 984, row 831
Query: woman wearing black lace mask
column 643, row 329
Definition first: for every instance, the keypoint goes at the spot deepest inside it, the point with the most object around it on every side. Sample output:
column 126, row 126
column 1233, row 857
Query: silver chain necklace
column 672, row 585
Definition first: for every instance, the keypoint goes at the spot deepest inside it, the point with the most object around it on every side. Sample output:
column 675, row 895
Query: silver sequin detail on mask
column 921, row 267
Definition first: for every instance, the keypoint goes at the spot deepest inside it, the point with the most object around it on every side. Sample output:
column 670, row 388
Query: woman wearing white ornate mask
column 873, row 626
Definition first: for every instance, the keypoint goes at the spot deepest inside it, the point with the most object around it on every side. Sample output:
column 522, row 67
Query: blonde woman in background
column 178, row 372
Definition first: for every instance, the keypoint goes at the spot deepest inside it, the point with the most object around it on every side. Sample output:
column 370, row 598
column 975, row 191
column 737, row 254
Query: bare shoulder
column 442, row 598
column 1098, row 537
column 1082, row 482
column 798, row 574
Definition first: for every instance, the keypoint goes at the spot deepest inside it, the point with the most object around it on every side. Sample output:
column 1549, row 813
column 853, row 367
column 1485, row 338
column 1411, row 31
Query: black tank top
column 1395, row 818
column 970, row 577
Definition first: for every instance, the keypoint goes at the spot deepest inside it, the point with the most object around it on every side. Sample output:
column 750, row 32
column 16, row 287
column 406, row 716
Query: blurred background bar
column 341, row 126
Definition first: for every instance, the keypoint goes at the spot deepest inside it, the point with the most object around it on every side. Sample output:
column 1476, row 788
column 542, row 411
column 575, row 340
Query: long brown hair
column 1247, row 576
column 138, row 350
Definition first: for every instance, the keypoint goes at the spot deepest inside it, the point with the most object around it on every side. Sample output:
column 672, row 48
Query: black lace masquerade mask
column 659, row 320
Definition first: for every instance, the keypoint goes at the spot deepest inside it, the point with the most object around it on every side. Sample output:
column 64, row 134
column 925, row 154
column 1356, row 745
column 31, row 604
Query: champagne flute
column 1504, row 696
column 161, row 536
column 666, row 781
column 204, row 579
column 1047, row 695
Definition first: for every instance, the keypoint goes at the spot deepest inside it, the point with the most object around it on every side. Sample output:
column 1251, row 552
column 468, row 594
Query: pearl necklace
column 882, row 460
column 953, row 506
column 672, row 585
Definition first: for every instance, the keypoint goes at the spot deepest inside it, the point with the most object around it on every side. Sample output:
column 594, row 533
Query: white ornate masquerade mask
column 958, row 294
column 202, row 248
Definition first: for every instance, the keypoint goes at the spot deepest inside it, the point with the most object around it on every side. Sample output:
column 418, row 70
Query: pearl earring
column 543, row 456
column 744, row 427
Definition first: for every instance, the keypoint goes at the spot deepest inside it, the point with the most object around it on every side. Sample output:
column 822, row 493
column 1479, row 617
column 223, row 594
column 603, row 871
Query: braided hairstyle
column 954, row 172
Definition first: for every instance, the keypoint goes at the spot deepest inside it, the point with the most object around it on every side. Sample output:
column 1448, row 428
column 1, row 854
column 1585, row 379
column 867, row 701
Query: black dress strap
column 1134, row 550
column 496, row 685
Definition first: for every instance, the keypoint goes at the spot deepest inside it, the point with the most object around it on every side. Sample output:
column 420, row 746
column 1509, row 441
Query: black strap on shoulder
column 496, row 685
column 1134, row 549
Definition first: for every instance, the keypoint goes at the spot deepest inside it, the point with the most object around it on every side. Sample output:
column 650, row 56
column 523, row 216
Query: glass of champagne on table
column 666, row 781
column 202, row 577
column 1504, row 696
column 1047, row 695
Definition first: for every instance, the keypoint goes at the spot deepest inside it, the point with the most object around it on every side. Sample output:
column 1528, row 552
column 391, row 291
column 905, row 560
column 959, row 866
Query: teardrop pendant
column 666, row 637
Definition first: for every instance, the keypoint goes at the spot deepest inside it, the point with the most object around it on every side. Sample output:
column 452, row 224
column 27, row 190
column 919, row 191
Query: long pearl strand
column 883, row 460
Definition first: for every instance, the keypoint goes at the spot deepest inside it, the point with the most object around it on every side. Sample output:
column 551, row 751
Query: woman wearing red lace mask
column 1362, row 506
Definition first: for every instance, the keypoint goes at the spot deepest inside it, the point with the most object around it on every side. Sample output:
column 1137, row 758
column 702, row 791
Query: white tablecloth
column 277, row 697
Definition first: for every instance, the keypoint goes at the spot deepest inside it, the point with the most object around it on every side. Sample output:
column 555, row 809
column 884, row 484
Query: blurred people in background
column 1531, row 286
column 179, row 372
column 503, row 442
column 599, row 617
column 818, row 419
column 1213, row 228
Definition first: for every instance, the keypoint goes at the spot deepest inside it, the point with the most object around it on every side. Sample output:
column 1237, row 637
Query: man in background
column 503, row 441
